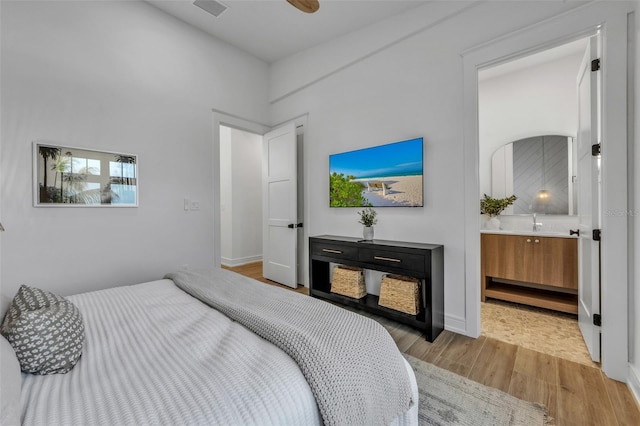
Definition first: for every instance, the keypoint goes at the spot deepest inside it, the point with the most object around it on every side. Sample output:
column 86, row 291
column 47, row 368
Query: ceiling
column 273, row 29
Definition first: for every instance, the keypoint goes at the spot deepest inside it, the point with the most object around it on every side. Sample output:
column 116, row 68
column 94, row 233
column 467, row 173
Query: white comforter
column 155, row 355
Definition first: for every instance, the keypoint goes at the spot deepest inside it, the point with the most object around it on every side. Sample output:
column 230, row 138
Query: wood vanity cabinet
column 539, row 271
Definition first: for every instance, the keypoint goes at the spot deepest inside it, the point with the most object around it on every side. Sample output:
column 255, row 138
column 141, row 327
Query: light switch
column 186, row 204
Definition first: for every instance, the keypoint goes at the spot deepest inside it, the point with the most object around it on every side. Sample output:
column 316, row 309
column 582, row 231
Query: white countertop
column 528, row 233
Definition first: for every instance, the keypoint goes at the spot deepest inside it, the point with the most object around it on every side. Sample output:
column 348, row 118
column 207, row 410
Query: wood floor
column 575, row 394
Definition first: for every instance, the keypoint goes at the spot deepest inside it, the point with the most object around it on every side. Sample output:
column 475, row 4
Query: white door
column 280, row 205
column 588, row 177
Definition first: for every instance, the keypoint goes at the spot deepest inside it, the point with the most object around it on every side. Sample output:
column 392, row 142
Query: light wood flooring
column 574, row 393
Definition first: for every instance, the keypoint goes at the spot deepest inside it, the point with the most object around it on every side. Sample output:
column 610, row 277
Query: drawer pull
column 388, row 259
column 332, row 251
column 528, row 240
column 536, row 241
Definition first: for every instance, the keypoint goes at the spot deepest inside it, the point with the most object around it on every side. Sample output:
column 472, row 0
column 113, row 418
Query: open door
column 280, row 205
column 588, row 186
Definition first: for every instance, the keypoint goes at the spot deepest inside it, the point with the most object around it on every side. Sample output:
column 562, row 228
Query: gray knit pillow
column 45, row 330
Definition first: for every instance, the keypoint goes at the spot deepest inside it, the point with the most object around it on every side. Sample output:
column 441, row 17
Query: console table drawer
column 392, row 259
column 334, row 250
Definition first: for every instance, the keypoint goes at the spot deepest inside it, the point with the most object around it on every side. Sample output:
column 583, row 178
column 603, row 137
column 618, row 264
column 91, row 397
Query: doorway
column 241, row 191
column 612, row 19
column 527, row 133
column 240, row 197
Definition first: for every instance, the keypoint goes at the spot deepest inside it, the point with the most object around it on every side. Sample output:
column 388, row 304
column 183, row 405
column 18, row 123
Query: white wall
column 293, row 73
column 118, row 76
column 240, row 196
column 538, row 100
column 247, row 196
column 407, row 89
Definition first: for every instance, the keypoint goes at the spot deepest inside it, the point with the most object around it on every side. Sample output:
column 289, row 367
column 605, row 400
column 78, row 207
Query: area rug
column 449, row 399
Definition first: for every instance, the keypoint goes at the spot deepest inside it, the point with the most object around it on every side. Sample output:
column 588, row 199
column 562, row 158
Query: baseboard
column 455, row 324
column 634, row 383
column 240, row 261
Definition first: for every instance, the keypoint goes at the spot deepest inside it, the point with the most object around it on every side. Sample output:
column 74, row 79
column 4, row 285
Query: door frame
column 221, row 118
column 582, row 21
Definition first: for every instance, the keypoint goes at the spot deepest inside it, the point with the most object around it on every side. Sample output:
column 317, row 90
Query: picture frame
column 389, row 175
column 65, row 176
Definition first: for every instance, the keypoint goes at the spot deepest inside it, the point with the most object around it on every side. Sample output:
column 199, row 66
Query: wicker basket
column 400, row 293
column 348, row 281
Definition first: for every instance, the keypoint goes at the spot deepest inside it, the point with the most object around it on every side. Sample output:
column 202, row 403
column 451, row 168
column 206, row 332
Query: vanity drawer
column 392, row 259
column 334, row 250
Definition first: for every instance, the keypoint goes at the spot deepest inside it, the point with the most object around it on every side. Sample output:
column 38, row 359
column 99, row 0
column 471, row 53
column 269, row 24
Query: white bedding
column 155, row 355
column 176, row 361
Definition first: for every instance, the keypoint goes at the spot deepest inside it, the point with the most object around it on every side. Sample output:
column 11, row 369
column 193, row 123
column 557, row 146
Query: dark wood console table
column 423, row 261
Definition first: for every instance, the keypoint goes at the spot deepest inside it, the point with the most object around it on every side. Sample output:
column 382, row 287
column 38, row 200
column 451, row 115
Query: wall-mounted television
column 381, row 176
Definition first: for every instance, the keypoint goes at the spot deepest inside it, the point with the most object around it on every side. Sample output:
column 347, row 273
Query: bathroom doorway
column 611, row 22
column 528, row 128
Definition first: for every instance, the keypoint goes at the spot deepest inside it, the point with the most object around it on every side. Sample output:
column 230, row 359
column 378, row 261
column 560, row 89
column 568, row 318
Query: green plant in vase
column 493, row 207
column 368, row 219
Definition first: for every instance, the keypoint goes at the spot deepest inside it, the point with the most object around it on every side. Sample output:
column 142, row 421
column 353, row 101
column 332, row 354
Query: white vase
column 367, row 233
column 493, row 223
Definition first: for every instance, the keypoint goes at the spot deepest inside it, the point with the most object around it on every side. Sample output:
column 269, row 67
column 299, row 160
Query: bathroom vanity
column 537, row 268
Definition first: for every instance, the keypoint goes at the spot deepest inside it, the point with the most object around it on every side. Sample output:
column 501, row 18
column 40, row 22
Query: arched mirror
column 539, row 171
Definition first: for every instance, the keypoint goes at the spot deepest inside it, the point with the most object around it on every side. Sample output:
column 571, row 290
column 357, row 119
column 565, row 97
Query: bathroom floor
column 542, row 330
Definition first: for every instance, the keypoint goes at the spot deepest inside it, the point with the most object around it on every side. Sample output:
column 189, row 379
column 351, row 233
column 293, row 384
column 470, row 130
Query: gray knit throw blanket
column 351, row 363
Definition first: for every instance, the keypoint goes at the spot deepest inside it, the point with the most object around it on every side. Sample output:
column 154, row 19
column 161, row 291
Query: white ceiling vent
column 212, row 6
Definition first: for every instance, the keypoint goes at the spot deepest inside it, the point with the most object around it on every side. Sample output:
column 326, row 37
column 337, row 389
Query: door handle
column 576, row 232
column 294, row 225
column 388, row 259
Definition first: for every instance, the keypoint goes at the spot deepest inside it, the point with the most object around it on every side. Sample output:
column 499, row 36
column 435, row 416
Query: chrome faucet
column 536, row 225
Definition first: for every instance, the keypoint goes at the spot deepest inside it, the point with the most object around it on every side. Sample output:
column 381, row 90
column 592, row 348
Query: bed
column 159, row 353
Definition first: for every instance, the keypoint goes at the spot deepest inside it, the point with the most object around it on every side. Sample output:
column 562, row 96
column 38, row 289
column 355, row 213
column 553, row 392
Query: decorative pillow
column 45, row 330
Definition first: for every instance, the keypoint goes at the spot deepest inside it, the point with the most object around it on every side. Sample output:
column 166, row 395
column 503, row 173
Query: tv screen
column 381, row 176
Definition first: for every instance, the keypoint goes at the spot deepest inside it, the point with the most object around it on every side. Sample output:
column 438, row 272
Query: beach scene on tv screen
column 382, row 176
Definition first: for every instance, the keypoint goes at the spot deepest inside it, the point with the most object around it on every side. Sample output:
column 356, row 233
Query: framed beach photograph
column 381, row 176
column 66, row 176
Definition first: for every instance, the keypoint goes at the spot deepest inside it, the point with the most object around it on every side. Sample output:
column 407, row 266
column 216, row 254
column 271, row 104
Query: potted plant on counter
column 368, row 219
column 493, row 207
